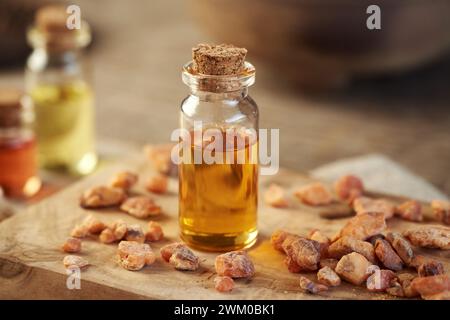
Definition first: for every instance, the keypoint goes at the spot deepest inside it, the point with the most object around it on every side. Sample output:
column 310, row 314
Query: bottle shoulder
column 41, row 60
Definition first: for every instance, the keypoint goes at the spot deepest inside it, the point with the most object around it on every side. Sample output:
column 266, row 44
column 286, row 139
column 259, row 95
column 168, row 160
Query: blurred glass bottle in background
column 56, row 80
column 18, row 165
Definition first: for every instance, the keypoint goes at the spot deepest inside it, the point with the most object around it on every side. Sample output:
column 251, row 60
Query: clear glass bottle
column 57, row 80
column 18, row 165
column 218, row 202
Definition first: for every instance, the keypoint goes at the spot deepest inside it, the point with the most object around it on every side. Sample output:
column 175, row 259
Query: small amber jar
column 18, row 165
column 218, row 202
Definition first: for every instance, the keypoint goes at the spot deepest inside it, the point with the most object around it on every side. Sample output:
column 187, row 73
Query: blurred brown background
column 333, row 90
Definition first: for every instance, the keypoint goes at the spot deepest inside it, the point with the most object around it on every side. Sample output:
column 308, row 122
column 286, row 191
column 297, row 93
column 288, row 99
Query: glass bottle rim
column 79, row 39
column 218, row 83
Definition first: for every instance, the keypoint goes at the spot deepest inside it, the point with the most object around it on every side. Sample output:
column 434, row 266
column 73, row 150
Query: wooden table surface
column 31, row 259
column 138, row 54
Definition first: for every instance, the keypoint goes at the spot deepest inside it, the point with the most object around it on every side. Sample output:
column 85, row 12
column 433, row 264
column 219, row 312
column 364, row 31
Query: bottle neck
column 68, row 61
column 64, row 57
column 11, row 138
column 223, row 87
column 58, row 53
column 219, row 96
column 59, row 43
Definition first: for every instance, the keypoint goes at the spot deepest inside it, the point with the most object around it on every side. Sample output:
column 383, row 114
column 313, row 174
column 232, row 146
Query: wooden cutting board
column 31, row 259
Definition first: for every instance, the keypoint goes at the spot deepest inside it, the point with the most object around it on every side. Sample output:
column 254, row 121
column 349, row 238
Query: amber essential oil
column 218, row 202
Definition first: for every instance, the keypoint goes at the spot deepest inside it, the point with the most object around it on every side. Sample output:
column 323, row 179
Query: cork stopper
column 51, row 31
column 10, row 107
column 52, row 19
column 220, row 60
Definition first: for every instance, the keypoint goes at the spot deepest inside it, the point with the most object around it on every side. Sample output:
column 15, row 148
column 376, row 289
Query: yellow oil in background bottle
column 64, row 125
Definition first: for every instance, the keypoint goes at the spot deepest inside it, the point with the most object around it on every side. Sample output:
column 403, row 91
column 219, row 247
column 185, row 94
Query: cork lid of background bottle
column 50, row 28
column 222, row 59
column 52, row 19
column 10, row 107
